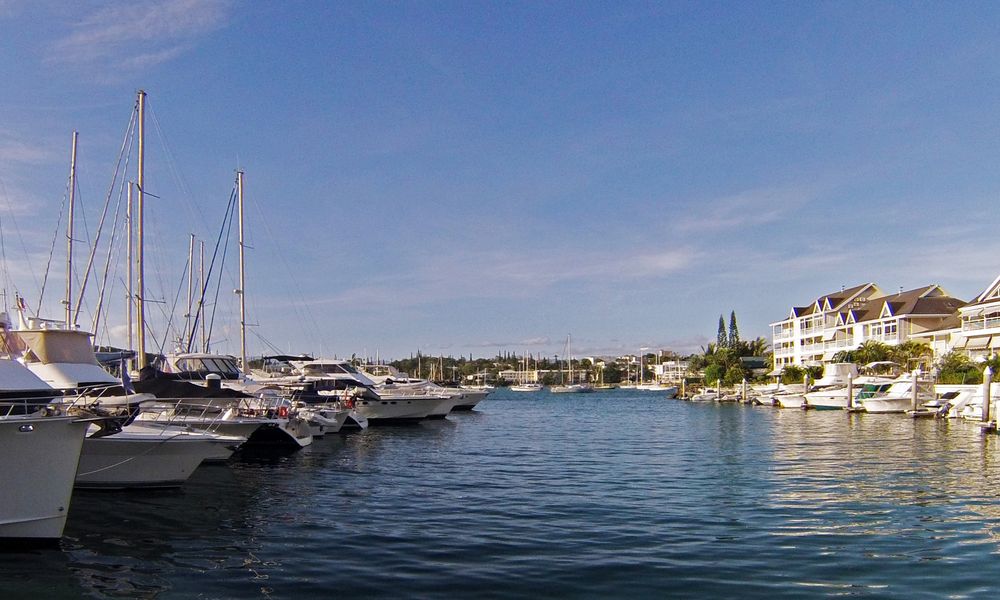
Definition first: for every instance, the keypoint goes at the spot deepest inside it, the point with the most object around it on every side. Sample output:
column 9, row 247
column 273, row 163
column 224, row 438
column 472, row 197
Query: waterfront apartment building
column 977, row 332
column 813, row 334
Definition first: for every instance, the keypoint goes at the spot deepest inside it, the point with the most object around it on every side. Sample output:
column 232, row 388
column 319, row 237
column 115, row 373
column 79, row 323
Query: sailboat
column 524, row 385
column 571, row 387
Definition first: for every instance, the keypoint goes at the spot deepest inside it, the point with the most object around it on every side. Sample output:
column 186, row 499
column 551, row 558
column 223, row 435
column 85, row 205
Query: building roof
column 929, row 300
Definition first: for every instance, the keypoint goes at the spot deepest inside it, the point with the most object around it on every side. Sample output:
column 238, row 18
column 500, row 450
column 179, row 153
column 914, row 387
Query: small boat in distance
column 571, row 388
column 527, row 387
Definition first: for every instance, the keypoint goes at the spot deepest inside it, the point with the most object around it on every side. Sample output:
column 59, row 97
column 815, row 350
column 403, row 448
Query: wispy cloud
column 17, row 151
column 139, row 35
column 744, row 209
column 507, row 276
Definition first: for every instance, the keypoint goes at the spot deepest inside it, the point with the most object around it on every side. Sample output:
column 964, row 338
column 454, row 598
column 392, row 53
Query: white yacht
column 149, row 456
column 835, row 375
column 125, row 454
column 669, row 391
column 706, row 395
column 897, row 397
column 230, row 395
column 394, row 385
column 41, row 447
column 527, row 387
column 572, row 388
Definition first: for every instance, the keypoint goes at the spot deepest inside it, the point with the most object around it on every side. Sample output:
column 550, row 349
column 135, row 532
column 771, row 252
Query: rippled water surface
column 612, row 494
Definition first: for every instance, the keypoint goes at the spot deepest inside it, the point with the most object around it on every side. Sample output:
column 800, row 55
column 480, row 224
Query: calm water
column 606, row 495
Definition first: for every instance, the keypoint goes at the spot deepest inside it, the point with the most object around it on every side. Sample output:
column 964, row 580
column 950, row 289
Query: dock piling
column 987, row 380
column 850, row 391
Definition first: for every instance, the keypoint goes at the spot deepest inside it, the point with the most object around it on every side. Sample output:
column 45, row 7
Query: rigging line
column 107, row 263
column 5, row 266
column 303, row 310
column 126, row 145
column 52, row 249
column 173, row 309
column 266, row 342
column 193, row 207
column 218, row 287
column 199, row 313
column 27, row 261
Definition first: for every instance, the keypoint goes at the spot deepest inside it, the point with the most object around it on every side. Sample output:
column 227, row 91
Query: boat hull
column 887, row 405
column 41, row 456
column 471, row 398
column 144, row 457
column 791, row 400
column 390, row 410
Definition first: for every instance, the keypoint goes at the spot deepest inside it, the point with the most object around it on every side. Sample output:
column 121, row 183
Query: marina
column 440, row 300
column 534, row 494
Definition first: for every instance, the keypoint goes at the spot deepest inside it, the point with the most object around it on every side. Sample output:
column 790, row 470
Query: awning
column 972, row 312
column 978, row 343
column 830, row 335
column 960, row 343
column 995, row 342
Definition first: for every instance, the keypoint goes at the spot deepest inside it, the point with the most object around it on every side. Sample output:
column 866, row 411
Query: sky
column 471, row 177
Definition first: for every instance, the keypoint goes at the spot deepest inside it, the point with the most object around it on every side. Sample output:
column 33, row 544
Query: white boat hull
column 144, row 457
column 887, row 405
column 395, row 409
column 471, row 398
column 41, row 455
column 527, row 387
column 576, row 388
column 324, row 420
column 790, row 400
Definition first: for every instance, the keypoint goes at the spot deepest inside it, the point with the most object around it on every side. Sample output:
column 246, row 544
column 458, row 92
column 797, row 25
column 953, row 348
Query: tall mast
column 242, row 290
column 187, row 313
column 140, row 299
column 201, row 299
column 69, row 234
column 128, row 261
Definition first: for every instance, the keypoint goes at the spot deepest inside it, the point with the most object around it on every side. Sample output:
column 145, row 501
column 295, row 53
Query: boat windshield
column 224, row 367
column 319, row 369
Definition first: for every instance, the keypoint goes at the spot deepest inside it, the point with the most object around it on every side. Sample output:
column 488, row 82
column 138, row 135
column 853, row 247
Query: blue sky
column 461, row 177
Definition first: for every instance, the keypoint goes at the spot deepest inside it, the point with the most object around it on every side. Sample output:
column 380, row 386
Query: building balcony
column 836, row 345
column 980, row 324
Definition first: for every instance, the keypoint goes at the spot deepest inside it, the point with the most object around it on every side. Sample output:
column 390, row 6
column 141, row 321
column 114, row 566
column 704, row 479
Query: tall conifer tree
column 734, row 332
column 721, row 340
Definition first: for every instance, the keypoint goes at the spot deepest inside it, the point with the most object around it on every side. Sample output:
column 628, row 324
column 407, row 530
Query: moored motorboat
column 897, row 397
column 149, row 456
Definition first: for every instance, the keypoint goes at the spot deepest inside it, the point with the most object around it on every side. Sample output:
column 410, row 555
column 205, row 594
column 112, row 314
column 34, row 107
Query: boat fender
column 282, row 412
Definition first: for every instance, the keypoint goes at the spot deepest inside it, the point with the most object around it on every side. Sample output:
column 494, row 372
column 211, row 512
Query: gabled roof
column 837, row 300
column 929, row 300
column 990, row 294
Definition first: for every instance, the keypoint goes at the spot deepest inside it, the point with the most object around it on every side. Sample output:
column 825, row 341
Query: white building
column 670, row 371
column 978, row 332
column 813, row 334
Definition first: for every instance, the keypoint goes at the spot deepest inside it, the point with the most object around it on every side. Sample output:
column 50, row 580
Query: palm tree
column 911, row 353
column 872, row 351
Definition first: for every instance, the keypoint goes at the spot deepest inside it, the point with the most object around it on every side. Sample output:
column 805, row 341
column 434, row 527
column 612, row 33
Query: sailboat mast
column 140, row 299
column 201, row 299
column 569, row 353
column 242, row 290
column 128, row 268
column 69, row 233
column 187, row 313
